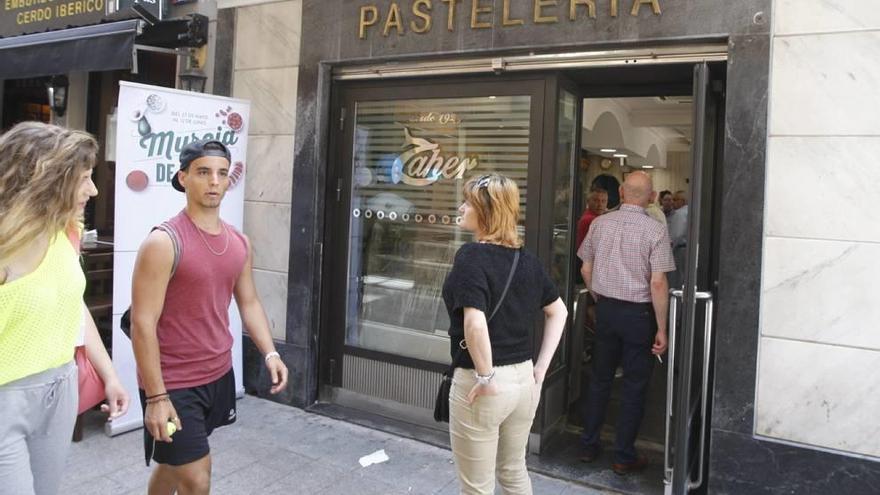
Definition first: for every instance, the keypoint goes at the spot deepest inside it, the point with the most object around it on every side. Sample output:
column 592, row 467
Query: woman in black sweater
column 496, row 388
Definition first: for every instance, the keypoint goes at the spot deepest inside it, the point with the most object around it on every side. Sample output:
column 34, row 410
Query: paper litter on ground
column 376, row 457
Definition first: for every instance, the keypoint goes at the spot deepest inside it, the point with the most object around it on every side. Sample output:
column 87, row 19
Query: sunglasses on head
column 483, row 181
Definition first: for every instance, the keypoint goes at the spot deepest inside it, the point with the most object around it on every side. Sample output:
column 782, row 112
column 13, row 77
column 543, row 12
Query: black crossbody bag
column 441, row 405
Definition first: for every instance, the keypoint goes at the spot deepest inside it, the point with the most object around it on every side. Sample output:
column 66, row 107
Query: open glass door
column 561, row 153
column 691, row 305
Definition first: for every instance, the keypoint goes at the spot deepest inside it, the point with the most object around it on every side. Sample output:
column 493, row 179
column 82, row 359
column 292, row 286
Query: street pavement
column 276, row 449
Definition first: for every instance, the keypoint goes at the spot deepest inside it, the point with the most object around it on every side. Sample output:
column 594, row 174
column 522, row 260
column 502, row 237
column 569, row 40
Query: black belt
column 621, row 302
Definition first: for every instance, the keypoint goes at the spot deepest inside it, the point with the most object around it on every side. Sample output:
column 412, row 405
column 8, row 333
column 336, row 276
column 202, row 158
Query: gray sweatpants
column 37, row 414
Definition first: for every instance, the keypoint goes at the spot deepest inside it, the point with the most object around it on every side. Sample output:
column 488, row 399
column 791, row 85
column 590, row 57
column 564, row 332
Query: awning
column 90, row 48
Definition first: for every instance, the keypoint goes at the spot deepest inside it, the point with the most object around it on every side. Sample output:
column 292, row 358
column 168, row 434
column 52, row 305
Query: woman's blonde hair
column 40, row 174
column 495, row 198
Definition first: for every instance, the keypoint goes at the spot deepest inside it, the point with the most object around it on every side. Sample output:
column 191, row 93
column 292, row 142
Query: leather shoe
column 624, row 468
column 590, row 454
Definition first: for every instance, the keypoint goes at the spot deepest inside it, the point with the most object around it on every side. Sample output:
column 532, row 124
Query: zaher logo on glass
column 422, row 164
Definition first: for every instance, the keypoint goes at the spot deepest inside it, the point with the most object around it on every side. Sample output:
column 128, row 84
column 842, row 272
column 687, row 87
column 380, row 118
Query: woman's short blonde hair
column 41, row 168
column 495, row 198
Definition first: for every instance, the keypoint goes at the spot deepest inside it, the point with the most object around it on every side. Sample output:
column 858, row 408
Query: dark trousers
column 624, row 335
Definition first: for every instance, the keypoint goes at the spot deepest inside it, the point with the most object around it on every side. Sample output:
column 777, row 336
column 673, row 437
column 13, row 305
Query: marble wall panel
column 268, row 35
column 739, row 264
column 816, row 187
column 268, row 227
column 272, row 289
column 819, row 395
column 825, row 85
column 818, row 291
column 821, row 16
column 272, row 93
column 270, row 169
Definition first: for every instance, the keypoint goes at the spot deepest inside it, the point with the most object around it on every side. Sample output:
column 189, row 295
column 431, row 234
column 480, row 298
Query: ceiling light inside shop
column 647, row 166
column 608, row 150
column 620, row 155
column 491, row 97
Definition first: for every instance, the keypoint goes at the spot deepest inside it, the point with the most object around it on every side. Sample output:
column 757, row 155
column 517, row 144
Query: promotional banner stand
column 152, row 125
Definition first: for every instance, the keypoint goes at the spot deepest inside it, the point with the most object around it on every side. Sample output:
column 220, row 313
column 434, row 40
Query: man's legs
column 189, row 479
column 606, row 355
column 185, row 463
column 637, row 361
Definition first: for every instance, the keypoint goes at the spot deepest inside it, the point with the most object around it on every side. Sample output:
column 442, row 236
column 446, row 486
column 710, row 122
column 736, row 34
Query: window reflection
column 410, row 159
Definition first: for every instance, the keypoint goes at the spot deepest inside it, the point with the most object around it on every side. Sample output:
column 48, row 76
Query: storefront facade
column 397, row 102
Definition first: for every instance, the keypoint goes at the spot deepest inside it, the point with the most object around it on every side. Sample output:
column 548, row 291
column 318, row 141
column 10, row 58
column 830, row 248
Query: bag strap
column 506, row 285
column 456, row 360
column 175, row 241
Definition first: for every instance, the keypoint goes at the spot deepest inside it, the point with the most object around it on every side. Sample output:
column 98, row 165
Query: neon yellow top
column 41, row 314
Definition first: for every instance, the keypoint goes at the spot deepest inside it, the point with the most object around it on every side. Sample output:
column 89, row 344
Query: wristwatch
column 484, row 379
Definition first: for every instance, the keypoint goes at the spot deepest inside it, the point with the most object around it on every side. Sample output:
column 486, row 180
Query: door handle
column 707, row 348
column 676, row 295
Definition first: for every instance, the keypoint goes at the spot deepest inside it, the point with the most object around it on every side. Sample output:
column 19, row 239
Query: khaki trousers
column 489, row 437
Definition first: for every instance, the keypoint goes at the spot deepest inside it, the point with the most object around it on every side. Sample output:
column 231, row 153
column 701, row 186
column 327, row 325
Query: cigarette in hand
column 659, row 358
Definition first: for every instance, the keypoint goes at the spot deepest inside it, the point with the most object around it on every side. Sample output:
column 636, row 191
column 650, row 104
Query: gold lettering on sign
column 476, row 10
column 418, row 17
column 393, row 19
column 572, row 8
column 637, row 4
column 450, row 15
column 506, row 20
column 425, row 16
column 365, row 22
column 540, row 18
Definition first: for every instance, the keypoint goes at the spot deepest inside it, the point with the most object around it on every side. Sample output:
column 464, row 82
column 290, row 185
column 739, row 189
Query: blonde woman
column 45, row 183
column 492, row 294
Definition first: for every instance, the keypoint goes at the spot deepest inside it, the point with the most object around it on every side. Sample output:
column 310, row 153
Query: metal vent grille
column 390, row 381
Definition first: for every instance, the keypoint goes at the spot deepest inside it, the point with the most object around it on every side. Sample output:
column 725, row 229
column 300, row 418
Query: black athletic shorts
column 200, row 409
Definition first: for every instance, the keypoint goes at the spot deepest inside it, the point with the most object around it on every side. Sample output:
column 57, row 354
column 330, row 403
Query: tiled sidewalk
column 274, row 449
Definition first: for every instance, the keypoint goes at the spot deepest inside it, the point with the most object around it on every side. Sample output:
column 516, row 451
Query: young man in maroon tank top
column 185, row 275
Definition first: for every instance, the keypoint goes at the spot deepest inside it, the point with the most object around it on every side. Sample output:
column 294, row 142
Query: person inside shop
column 492, row 294
column 626, row 256
column 666, row 202
column 597, row 204
column 655, row 211
column 678, row 225
column 45, row 183
column 185, row 275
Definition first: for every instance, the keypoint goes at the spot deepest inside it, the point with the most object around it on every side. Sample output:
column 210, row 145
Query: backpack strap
column 175, row 241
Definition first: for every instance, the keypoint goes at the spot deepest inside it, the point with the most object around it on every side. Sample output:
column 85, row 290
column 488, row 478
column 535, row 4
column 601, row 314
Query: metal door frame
column 679, row 467
column 338, row 187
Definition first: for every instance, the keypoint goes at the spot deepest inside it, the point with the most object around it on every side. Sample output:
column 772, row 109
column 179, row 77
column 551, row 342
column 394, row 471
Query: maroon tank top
column 194, row 338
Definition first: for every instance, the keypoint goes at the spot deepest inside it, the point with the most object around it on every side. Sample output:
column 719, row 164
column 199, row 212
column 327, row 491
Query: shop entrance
column 666, row 125
column 390, row 238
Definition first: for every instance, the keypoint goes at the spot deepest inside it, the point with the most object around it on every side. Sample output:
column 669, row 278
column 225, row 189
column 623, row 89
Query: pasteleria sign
column 153, row 124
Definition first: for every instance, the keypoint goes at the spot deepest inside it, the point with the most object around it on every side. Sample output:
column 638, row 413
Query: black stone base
column 742, row 464
column 299, row 363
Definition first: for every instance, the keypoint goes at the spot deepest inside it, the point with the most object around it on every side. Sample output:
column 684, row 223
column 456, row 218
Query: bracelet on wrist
column 272, row 354
column 484, row 379
column 157, row 400
column 155, row 396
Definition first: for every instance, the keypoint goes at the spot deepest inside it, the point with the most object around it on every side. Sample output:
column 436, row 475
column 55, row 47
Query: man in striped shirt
column 626, row 256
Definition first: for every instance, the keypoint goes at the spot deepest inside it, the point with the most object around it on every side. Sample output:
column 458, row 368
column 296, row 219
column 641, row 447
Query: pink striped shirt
column 625, row 247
